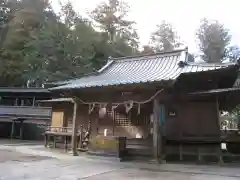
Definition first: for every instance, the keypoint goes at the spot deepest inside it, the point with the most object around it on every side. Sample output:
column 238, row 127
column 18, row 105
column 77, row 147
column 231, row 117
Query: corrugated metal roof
column 140, row 69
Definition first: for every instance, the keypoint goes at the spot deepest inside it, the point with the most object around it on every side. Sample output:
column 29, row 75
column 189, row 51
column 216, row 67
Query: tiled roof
column 212, row 91
column 140, row 69
column 23, row 90
column 57, row 100
column 237, row 82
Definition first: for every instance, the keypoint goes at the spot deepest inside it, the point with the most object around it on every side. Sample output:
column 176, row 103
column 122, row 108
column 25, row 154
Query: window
column 7, row 101
column 122, row 119
column 125, row 119
column 25, row 101
column 131, row 119
column 28, row 102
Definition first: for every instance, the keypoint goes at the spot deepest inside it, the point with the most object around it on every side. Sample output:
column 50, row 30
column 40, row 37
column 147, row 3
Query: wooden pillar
column 81, row 137
column 180, row 152
column 45, row 140
column 97, row 125
column 12, row 129
column 238, row 123
column 65, row 143
column 219, row 127
column 218, row 118
column 54, row 141
column 113, row 119
column 74, row 130
column 22, row 102
column 157, row 140
column 34, row 98
column 16, row 102
column 21, row 130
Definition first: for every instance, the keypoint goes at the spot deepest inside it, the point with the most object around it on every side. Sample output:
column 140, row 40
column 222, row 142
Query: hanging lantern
column 139, row 108
column 128, row 106
column 102, row 112
column 91, row 108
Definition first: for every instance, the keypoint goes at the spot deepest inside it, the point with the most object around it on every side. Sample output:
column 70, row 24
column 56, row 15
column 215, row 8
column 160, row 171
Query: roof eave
column 163, row 82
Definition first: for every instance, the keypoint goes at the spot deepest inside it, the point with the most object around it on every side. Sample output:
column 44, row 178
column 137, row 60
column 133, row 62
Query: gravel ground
column 33, row 162
column 13, row 156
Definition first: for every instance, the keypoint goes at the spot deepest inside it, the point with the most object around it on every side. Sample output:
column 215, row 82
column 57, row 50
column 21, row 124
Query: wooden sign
column 172, row 112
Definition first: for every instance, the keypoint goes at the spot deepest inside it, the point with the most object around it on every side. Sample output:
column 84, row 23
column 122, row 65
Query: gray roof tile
column 140, row 69
column 212, row 91
column 23, row 90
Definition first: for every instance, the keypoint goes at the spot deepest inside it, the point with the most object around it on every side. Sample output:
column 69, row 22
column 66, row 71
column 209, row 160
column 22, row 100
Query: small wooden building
column 160, row 103
column 20, row 114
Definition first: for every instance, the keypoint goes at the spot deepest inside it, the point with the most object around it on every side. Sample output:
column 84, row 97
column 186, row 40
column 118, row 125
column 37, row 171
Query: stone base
column 102, row 153
column 73, row 153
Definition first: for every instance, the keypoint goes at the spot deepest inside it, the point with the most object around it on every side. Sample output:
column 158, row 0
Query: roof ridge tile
column 210, row 64
column 158, row 54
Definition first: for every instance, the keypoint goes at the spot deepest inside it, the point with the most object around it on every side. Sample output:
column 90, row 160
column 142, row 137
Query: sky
column 184, row 15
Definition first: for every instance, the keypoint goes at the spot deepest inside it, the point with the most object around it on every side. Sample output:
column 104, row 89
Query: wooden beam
column 74, row 130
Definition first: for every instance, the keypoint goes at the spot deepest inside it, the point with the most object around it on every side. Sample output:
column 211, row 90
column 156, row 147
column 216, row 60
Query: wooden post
column 45, row 140
column 97, row 125
column 65, row 143
column 54, row 141
column 219, row 127
column 81, row 137
column 21, row 130
column 113, row 119
column 34, row 98
column 13, row 129
column 22, row 102
column 74, row 130
column 157, row 140
column 217, row 109
column 16, row 102
column 180, row 152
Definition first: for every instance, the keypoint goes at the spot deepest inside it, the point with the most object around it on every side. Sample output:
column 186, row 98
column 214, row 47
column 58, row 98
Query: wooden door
column 57, row 120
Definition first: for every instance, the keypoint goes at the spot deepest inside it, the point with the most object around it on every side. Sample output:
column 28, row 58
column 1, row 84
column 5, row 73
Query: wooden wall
column 62, row 114
column 192, row 119
column 137, row 124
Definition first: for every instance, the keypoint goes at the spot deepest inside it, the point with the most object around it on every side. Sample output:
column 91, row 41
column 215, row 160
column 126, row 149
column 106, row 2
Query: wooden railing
column 58, row 129
column 26, row 112
column 82, row 139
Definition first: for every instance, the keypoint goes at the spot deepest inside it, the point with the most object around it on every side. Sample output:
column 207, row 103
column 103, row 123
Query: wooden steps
column 139, row 149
